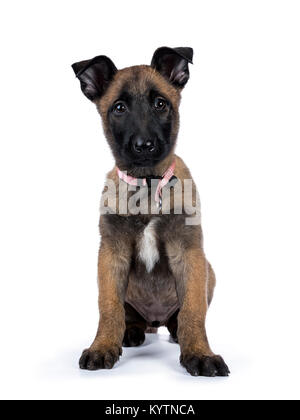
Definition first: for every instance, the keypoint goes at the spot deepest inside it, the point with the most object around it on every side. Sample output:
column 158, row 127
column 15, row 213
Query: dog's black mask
column 139, row 106
column 141, row 126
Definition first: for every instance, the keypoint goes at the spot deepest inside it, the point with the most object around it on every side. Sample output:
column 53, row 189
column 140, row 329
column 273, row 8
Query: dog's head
column 138, row 105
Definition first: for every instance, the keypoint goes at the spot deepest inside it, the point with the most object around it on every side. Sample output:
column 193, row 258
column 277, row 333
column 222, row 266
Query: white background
column 240, row 135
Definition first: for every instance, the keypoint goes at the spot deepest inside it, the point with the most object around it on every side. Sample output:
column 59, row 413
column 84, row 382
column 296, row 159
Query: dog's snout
column 143, row 146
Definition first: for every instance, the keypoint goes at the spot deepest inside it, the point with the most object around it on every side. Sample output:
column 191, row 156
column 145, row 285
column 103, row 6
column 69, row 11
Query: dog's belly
column 153, row 297
column 151, row 288
column 153, row 294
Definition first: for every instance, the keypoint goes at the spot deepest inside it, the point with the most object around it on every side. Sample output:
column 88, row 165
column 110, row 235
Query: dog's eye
column 160, row 104
column 119, row 108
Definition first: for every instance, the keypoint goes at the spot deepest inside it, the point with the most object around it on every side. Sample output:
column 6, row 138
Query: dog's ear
column 95, row 75
column 172, row 63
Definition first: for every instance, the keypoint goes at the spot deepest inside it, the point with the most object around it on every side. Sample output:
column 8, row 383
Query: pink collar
column 143, row 181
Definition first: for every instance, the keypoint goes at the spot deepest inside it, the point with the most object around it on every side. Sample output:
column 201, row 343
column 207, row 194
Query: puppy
column 152, row 270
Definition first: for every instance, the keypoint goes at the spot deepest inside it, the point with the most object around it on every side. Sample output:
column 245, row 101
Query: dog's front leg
column 192, row 277
column 113, row 268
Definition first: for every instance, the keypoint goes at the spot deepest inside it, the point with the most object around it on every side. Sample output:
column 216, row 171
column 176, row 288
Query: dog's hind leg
column 172, row 326
column 211, row 284
column 135, row 327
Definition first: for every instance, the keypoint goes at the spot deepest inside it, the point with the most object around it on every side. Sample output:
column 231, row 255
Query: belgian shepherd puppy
column 152, row 270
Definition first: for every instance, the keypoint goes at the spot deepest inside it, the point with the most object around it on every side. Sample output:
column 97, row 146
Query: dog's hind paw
column 133, row 337
column 98, row 359
column 205, row 365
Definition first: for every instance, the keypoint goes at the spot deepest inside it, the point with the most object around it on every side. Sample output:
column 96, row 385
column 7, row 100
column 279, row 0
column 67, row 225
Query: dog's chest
column 147, row 246
column 151, row 288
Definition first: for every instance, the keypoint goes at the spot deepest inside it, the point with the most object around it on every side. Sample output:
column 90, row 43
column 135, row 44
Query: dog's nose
column 141, row 145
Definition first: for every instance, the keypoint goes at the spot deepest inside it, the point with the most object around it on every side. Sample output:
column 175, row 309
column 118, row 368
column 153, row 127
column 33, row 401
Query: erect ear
column 172, row 63
column 94, row 75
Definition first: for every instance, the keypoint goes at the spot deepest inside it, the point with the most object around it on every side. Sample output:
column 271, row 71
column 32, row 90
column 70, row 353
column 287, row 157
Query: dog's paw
column 205, row 365
column 173, row 337
column 99, row 359
column 133, row 337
